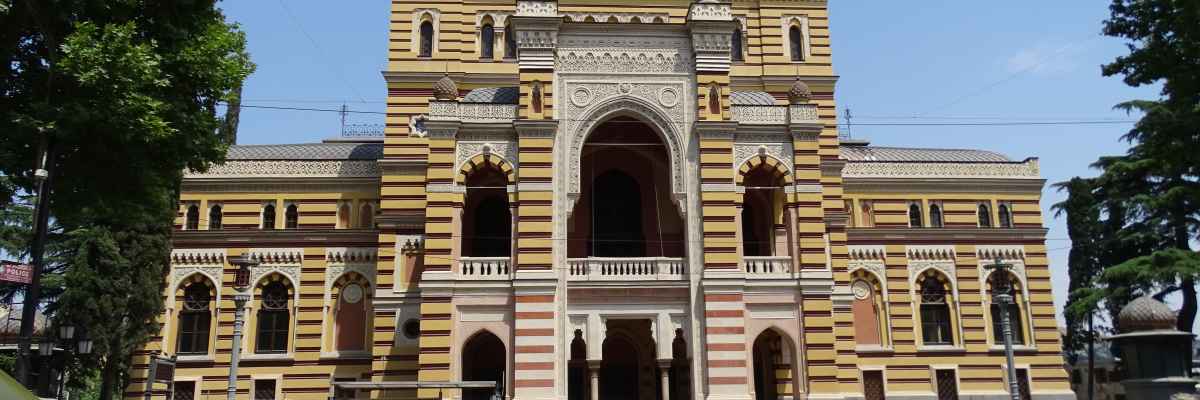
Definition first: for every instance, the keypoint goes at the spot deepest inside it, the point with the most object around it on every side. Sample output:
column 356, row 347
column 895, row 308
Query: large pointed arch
column 633, row 107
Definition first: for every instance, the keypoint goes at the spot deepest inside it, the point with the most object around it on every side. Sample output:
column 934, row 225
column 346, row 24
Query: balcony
column 484, row 269
column 767, row 267
column 627, row 269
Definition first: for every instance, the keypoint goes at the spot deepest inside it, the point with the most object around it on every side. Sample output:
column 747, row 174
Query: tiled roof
column 494, row 95
column 307, row 151
column 901, row 154
column 751, row 99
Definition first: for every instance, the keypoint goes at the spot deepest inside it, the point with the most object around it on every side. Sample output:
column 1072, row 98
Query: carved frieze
column 285, row 169
column 874, row 169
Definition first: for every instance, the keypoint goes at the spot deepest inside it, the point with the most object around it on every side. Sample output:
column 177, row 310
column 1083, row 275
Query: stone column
column 594, row 378
column 664, row 373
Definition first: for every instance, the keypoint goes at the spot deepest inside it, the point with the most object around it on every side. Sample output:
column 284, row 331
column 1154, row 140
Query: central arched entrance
column 483, row 359
column 625, row 208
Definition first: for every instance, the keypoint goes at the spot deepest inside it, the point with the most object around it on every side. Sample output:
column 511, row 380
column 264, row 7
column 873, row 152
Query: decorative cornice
column 278, row 237
column 197, row 256
column 943, row 185
column 1027, row 169
column 930, row 252
column 947, row 235
column 288, row 169
column 541, row 128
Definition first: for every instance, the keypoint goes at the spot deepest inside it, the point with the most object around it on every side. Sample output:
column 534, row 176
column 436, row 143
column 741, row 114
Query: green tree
column 1149, row 198
column 127, row 92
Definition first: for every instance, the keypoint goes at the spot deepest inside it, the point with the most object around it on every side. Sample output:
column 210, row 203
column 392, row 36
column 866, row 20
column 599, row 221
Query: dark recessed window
column 487, row 39
column 412, row 328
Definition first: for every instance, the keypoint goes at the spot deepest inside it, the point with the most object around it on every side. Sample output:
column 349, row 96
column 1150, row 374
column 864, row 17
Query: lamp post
column 1002, row 296
column 240, row 283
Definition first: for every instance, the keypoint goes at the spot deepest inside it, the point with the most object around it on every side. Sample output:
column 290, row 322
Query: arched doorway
column 619, row 370
column 625, row 207
column 483, row 359
column 772, row 366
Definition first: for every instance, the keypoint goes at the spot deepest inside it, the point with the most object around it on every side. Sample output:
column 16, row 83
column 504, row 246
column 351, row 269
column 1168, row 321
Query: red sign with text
column 18, row 273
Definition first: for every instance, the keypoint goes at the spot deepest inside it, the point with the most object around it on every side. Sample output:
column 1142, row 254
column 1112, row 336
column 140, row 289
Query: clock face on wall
column 352, row 293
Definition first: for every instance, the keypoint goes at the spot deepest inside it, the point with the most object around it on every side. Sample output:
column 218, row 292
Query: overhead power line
column 1001, row 123
column 322, row 55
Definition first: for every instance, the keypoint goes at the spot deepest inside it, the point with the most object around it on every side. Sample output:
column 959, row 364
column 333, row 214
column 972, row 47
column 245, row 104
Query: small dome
column 1146, row 314
column 445, row 89
column 799, row 93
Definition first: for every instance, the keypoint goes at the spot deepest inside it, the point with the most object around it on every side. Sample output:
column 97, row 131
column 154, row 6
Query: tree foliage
column 128, row 94
column 1140, row 217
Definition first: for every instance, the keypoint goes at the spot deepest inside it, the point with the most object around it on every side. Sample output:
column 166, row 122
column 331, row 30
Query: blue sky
column 899, row 62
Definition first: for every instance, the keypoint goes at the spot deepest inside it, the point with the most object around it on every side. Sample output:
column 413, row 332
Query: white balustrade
column 626, row 269
column 774, row 115
column 484, row 268
column 767, row 266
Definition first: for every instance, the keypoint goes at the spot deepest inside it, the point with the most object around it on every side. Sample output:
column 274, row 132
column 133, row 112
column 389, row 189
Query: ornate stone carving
column 471, row 112
column 803, row 113
column 799, row 93
column 467, row 150
column 668, row 97
column 760, row 145
column 197, row 256
column 637, row 98
column 710, row 11
column 1013, row 255
column 291, row 272
column 621, row 60
column 445, row 89
column 286, row 169
column 876, row 169
column 759, row 115
column 645, row 18
column 536, row 8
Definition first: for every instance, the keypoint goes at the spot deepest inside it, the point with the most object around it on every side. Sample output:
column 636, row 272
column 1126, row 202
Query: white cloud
column 1045, row 58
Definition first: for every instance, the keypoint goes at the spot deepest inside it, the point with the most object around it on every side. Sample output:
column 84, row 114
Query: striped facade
column 626, row 200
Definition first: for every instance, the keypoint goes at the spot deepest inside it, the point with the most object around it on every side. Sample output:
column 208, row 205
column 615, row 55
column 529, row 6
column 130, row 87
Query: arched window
column 192, row 218
column 350, row 313
column 366, row 216
column 195, row 318
column 985, row 216
column 848, row 205
column 867, row 217
column 762, row 206
column 1005, row 216
column 487, row 39
column 935, row 313
column 868, row 311
column 914, row 215
column 796, row 41
column 714, row 99
column 291, row 217
column 274, row 319
column 426, row 39
column 735, row 48
column 935, row 216
column 510, row 42
column 487, row 220
column 214, row 218
column 268, row 217
column 536, row 97
column 343, row 215
column 1013, row 309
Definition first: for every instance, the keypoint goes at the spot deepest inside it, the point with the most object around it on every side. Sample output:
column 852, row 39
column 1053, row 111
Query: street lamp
column 1002, row 296
column 241, row 282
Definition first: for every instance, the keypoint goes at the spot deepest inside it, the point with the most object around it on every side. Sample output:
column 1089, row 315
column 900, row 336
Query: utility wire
column 320, row 51
column 1001, row 123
